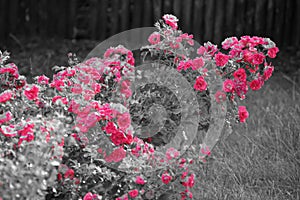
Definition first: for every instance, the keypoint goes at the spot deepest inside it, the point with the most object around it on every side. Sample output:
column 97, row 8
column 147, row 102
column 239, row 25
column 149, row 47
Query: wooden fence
column 212, row 20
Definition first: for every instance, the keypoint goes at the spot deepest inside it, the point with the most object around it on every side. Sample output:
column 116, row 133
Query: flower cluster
column 55, row 131
column 242, row 63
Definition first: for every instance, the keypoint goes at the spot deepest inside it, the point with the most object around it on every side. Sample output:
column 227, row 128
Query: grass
column 259, row 160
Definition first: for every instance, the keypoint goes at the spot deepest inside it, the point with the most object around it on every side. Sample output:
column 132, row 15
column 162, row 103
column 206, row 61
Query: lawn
column 258, row 160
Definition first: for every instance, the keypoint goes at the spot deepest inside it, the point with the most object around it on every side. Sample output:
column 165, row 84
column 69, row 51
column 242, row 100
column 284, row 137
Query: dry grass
column 261, row 159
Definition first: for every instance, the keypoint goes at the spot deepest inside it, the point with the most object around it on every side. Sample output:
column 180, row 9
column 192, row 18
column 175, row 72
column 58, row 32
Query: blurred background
column 52, row 28
column 98, row 19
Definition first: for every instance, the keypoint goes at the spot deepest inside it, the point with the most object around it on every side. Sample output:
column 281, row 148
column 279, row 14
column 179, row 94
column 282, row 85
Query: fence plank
column 93, row 22
column 3, row 23
column 167, row 7
column 288, row 24
column 137, row 14
column 198, row 20
column 296, row 38
column 157, row 5
column 260, row 19
column 61, row 17
column 270, row 18
column 230, row 18
column 240, row 17
column 115, row 22
column 177, row 8
column 279, row 21
column 186, row 17
column 219, row 21
column 13, row 16
column 250, row 17
column 43, row 18
column 148, row 14
column 102, row 19
column 208, row 20
column 125, row 15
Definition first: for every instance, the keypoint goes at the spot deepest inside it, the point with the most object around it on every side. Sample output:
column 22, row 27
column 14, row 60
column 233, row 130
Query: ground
column 259, row 160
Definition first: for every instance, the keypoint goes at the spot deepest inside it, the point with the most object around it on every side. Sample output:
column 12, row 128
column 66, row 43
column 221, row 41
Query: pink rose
column 243, row 114
column 5, row 96
column 43, row 80
column 166, row 178
column 228, row 85
column 256, row 84
column 258, row 58
column 124, row 121
column 139, row 180
column 200, row 84
column 32, row 93
column 221, row 59
column 133, row 193
column 268, row 72
column 272, row 52
column 171, row 20
column 197, row 63
column 154, row 38
column 220, row 96
column 240, row 74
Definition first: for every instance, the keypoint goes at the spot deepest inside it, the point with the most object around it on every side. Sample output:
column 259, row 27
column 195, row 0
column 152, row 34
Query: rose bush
column 71, row 137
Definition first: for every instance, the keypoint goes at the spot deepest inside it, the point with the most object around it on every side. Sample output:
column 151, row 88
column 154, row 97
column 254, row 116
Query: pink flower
column 118, row 138
column 240, row 74
column 220, row 96
column 96, row 87
column 172, row 153
column 90, row 196
column 171, row 20
column 184, row 65
column 139, row 180
column 200, row 84
column 10, row 68
column 7, row 118
column 57, row 84
column 166, row 178
column 243, row 114
column 258, row 58
column 241, row 88
column 88, row 94
column 133, row 193
column 154, row 38
column 229, row 42
column 256, row 84
column 32, row 93
column 228, row 85
column 221, row 59
column 76, row 89
column 190, row 182
column 43, row 80
column 116, row 156
column 174, row 45
column 69, row 174
column 197, row 63
column 125, row 88
column 124, row 121
column 5, row 96
column 268, row 72
column 110, row 128
column 272, row 52
column 208, row 50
